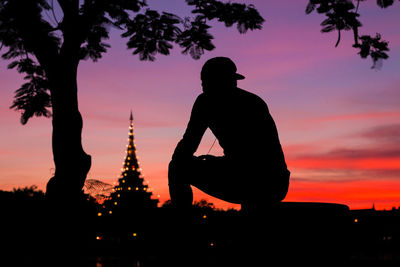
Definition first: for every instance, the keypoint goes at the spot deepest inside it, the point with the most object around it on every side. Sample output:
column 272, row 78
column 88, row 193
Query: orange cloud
column 345, row 163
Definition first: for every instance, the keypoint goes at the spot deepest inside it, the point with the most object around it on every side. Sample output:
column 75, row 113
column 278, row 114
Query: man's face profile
column 218, row 84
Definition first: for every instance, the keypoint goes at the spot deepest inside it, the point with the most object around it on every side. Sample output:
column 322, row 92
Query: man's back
column 242, row 124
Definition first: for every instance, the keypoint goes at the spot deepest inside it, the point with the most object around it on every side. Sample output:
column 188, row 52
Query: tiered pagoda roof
column 131, row 193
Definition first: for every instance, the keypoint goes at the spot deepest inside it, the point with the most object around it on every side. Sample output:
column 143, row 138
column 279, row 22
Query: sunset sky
column 338, row 120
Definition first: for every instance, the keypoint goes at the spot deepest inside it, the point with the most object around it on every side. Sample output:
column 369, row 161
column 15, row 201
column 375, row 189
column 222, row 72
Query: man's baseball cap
column 220, row 67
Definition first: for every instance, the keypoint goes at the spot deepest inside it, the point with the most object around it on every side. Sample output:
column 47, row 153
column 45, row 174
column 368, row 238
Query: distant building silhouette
column 130, row 194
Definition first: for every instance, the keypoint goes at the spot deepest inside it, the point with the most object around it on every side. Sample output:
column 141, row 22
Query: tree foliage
column 342, row 15
column 31, row 191
column 33, row 97
column 35, row 39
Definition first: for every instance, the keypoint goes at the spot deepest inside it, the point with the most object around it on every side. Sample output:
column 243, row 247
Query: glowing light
column 134, row 234
column 98, row 237
column 110, row 212
column 118, row 195
column 137, row 188
column 115, row 203
column 355, row 220
column 123, row 181
column 211, row 244
column 204, row 216
column 129, row 188
column 99, row 214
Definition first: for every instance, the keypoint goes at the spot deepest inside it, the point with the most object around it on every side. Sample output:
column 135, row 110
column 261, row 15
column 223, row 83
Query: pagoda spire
column 130, row 193
column 131, row 163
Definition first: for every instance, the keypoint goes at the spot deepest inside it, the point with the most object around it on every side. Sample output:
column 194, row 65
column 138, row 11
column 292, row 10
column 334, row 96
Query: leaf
column 328, row 28
column 310, row 7
column 384, row 3
column 325, row 6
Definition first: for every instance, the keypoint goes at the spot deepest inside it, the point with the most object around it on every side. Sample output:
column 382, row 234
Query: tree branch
column 30, row 31
column 338, row 40
column 69, row 7
column 69, row 26
column 358, row 5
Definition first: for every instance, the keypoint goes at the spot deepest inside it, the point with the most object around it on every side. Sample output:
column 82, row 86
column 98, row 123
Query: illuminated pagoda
column 131, row 192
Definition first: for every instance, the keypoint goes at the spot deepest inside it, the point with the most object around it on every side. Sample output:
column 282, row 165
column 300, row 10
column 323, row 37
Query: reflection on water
column 117, row 261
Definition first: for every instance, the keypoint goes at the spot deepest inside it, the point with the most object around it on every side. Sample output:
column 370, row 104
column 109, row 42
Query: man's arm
column 194, row 131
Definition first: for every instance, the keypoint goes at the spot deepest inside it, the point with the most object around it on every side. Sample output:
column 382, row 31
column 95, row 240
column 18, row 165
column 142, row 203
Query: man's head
column 219, row 74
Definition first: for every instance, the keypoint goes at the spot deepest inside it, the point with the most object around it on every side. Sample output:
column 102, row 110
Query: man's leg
column 215, row 176
column 212, row 175
column 179, row 187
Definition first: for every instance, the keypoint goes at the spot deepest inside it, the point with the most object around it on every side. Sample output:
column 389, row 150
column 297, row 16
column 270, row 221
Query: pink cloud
column 358, row 116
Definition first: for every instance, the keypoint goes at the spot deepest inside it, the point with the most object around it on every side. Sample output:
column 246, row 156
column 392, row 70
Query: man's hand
column 206, row 157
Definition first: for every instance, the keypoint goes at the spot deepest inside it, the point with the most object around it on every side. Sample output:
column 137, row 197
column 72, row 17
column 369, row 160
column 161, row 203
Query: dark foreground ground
column 37, row 233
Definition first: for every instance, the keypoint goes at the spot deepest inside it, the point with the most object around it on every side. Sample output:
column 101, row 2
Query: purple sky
column 338, row 120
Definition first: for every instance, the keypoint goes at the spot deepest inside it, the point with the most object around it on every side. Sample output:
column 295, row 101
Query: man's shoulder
column 201, row 98
column 250, row 96
column 201, row 102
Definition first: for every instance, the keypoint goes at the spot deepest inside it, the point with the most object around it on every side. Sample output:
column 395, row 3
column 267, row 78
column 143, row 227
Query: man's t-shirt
column 243, row 126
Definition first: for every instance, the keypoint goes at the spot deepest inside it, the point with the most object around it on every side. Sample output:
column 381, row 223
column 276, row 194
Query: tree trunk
column 71, row 162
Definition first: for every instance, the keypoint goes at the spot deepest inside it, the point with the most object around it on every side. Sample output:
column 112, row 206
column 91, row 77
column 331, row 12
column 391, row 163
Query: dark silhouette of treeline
column 36, row 232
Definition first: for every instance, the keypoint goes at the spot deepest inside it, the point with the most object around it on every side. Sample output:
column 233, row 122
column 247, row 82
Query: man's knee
column 172, row 172
column 179, row 171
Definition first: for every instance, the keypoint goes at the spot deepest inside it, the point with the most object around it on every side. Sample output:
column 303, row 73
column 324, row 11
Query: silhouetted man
column 252, row 171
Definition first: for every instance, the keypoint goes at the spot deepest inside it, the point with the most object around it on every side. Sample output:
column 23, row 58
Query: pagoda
column 130, row 193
